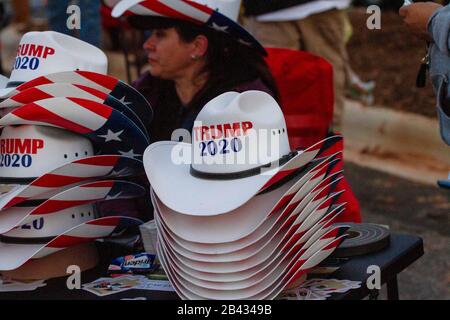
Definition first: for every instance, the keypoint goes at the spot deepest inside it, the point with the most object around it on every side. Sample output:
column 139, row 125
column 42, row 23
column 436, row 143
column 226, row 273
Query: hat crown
column 237, row 132
column 29, row 151
column 43, row 53
column 229, row 8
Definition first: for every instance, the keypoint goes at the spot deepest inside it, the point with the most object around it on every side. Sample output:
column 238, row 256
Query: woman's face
column 168, row 55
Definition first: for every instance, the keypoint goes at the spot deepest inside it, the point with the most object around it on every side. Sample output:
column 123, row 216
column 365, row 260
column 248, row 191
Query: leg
column 90, row 22
column 274, row 34
column 57, row 16
column 392, row 289
column 323, row 34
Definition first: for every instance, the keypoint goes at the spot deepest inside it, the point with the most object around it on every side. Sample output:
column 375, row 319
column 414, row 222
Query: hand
column 416, row 17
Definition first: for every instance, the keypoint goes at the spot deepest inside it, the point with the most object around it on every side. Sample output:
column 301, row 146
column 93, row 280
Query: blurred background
column 394, row 153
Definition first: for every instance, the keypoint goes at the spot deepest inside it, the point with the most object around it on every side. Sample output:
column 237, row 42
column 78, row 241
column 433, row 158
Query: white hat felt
column 49, row 212
column 69, row 175
column 28, row 151
column 226, row 163
column 42, row 53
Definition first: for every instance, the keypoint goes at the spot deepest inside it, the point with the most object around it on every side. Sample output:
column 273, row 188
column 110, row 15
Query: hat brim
column 325, row 222
column 82, row 194
column 69, row 90
column 7, row 92
column 104, row 83
column 243, row 248
column 258, row 262
column 14, row 256
column 110, row 131
column 276, row 220
column 71, row 174
column 252, row 215
column 273, row 270
column 180, row 191
column 141, row 12
column 271, row 285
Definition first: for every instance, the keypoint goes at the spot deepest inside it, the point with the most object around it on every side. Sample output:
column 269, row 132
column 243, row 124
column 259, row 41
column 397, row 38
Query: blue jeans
column 90, row 19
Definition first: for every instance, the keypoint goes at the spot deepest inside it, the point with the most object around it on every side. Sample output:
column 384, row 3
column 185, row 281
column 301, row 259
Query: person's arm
column 439, row 28
column 417, row 16
column 444, row 121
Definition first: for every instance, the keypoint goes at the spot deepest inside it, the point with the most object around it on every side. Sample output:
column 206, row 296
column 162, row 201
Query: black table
column 402, row 252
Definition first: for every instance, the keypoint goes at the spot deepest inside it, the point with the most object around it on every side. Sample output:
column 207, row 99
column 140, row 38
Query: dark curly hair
column 228, row 63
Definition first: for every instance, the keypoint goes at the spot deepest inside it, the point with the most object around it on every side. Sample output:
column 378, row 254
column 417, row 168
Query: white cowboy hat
column 42, row 53
column 110, row 131
column 220, row 15
column 226, row 164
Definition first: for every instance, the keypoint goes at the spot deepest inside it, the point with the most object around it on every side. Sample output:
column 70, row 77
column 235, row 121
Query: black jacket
column 258, row 7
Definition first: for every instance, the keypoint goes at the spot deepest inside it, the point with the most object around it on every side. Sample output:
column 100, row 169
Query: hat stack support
column 71, row 143
column 243, row 230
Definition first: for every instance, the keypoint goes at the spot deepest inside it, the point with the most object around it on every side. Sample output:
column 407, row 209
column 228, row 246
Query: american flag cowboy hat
column 84, row 81
column 220, row 15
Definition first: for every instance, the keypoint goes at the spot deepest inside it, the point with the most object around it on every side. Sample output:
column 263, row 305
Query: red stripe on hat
column 34, row 112
column 94, row 92
column 52, row 206
column 100, row 184
column 67, row 241
column 280, row 175
column 98, row 108
column 167, row 11
column 14, row 201
column 332, row 245
column 30, row 95
column 105, row 161
column 110, row 221
column 34, row 83
column 297, row 265
column 101, row 79
column 55, row 181
column 298, row 275
column 282, row 202
column 199, row 6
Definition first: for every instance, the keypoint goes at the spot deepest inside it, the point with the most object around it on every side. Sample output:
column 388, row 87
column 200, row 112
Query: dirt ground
column 409, row 208
column 390, row 56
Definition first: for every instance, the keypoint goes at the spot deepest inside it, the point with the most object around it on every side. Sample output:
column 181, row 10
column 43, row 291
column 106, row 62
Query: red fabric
column 107, row 20
column 305, row 83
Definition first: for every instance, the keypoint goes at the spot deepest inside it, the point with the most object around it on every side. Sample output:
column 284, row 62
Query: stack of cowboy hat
column 240, row 215
column 69, row 132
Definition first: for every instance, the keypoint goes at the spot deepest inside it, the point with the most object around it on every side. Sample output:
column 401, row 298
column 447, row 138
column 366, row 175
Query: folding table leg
column 392, row 289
